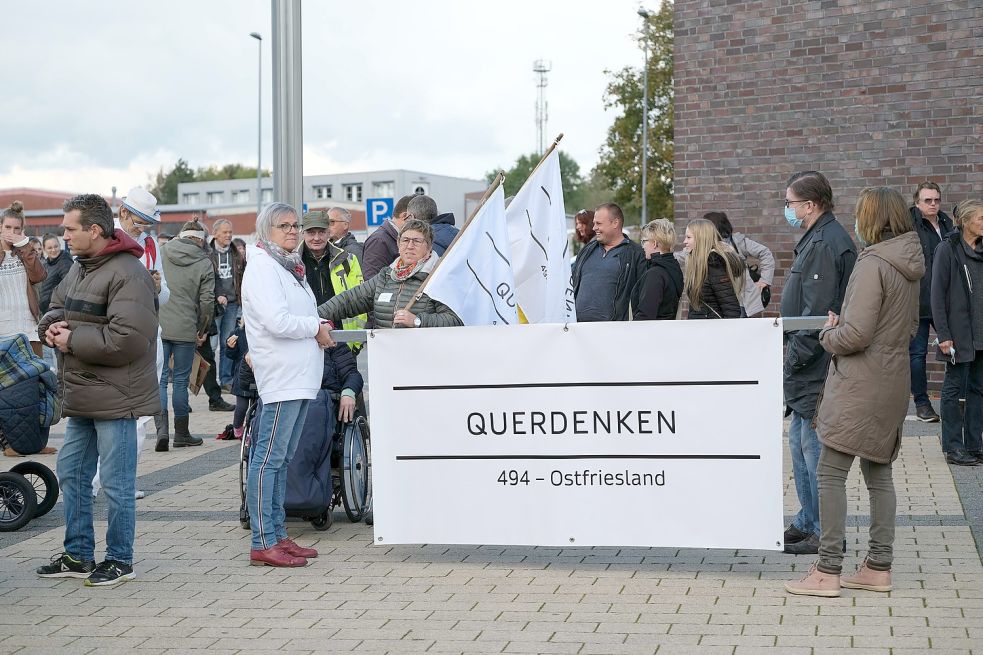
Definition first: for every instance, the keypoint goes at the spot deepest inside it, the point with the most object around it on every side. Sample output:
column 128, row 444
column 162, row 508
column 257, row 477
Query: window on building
column 383, row 189
column 215, row 197
column 353, row 192
column 267, row 195
column 190, row 199
column 240, row 196
column 322, row 192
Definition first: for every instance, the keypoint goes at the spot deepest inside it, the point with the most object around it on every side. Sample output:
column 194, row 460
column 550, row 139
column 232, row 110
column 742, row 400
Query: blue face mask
column 790, row 217
column 860, row 239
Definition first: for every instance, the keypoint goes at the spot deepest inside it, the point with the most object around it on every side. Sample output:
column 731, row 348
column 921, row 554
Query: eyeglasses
column 405, row 241
column 932, row 201
column 792, row 202
column 289, row 227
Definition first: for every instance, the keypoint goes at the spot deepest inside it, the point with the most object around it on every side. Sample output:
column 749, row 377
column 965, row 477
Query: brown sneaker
column 869, row 579
column 816, row 583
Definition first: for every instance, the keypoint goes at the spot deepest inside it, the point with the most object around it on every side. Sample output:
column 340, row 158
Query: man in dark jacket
column 103, row 319
column 815, row 286
column 380, row 247
column 607, row 269
column 57, row 262
column 932, row 226
column 425, row 209
column 957, row 310
column 228, row 265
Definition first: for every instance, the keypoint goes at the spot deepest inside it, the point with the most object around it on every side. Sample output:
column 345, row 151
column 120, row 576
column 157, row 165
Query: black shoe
column 220, row 406
column 961, row 458
column 808, row 546
column 66, row 566
column 110, row 573
column 926, row 414
column 793, row 535
column 978, row 454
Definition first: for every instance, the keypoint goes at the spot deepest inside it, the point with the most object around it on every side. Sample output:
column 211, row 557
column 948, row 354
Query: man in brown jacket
column 103, row 321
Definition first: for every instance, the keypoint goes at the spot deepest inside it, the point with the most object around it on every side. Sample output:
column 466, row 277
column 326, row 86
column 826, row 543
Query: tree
column 621, row 155
column 164, row 185
column 516, row 176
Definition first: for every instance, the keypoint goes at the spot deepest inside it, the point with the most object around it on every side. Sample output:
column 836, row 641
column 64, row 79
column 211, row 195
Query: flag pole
column 546, row 154
column 497, row 182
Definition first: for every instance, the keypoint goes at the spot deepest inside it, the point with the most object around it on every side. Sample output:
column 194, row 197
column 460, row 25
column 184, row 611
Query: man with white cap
column 138, row 213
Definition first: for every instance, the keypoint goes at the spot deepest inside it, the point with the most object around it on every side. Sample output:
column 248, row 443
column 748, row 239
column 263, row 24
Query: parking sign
column 377, row 210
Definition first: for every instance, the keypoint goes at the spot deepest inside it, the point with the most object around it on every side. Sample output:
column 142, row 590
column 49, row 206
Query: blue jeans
column 804, row 444
column 184, row 355
column 226, row 327
column 113, row 442
column 963, row 433
column 273, row 447
column 917, row 351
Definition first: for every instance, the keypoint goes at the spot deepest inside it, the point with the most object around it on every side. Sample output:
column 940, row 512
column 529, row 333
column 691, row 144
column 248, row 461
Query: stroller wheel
column 18, row 501
column 45, row 484
column 322, row 522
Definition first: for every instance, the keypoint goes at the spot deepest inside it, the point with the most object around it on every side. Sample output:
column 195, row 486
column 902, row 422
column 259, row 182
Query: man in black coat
column 815, row 286
column 932, row 226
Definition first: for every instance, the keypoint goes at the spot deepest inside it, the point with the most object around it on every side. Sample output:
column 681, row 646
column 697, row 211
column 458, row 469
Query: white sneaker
column 140, row 494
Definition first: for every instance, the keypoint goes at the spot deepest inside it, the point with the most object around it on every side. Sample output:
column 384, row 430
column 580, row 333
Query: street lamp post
column 645, row 117
column 259, row 121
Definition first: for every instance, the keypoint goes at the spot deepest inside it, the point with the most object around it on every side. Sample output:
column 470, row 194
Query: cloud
column 106, row 92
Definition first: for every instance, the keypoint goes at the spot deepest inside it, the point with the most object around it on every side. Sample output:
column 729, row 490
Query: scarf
column 219, row 248
column 403, row 270
column 289, row 260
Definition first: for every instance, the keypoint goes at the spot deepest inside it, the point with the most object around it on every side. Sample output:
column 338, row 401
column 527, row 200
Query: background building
column 870, row 94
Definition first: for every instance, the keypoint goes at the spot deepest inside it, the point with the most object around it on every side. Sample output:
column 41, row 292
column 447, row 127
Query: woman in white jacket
column 285, row 337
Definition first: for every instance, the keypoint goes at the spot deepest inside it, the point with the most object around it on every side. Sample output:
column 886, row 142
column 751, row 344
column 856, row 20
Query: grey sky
column 105, row 91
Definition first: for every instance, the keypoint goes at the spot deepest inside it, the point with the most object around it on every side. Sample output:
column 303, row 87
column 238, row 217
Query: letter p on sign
column 377, row 210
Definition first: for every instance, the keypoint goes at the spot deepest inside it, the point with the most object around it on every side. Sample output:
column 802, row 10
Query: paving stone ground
column 195, row 590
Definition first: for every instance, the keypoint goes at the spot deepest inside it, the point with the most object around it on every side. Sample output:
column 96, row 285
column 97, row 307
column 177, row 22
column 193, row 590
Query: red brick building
column 886, row 93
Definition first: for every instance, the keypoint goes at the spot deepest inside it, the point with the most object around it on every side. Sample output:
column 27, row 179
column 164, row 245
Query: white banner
column 537, row 227
column 474, row 276
column 655, row 433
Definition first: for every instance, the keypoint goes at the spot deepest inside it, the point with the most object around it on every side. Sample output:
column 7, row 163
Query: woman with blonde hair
column 714, row 274
column 957, row 311
column 865, row 399
column 656, row 296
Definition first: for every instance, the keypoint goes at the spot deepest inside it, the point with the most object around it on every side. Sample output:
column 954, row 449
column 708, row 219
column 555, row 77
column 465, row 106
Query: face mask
column 860, row 239
column 790, row 217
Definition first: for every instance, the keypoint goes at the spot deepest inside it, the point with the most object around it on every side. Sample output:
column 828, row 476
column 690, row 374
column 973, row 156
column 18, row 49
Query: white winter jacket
column 281, row 322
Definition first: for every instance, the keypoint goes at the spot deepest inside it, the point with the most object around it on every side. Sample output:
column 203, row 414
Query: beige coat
column 865, row 398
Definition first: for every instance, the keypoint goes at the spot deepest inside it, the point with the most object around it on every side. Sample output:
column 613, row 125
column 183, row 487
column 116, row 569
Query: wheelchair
column 350, row 469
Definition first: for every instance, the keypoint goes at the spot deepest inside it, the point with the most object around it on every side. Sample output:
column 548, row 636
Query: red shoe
column 288, row 546
column 274, row 556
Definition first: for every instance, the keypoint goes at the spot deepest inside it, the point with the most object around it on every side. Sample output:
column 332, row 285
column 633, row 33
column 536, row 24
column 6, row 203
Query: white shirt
column 281, row 320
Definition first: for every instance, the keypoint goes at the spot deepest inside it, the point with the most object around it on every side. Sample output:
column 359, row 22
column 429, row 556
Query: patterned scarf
column 289, row 260
column 404, row 270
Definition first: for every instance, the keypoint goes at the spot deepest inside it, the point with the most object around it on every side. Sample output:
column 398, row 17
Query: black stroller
column 28, row 407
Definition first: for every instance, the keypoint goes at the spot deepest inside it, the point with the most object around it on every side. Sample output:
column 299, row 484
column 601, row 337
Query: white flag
column 474, row 277
column 537, row 227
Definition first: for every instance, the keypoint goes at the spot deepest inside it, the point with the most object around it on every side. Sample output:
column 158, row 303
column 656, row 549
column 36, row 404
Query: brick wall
column 870, row 92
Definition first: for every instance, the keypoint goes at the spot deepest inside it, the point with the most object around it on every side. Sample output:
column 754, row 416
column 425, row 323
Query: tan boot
column 868, row 579
column 816, row 583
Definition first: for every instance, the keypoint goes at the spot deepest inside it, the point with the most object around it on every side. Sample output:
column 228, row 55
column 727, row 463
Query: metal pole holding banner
column 288, row 116
column 790, row 324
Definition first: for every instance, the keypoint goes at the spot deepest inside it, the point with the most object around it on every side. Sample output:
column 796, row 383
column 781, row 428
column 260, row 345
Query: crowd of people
column 261, row 317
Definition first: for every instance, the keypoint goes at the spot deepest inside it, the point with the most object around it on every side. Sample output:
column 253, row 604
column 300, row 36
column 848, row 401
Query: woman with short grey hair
column 387, row 294
column 284, row 334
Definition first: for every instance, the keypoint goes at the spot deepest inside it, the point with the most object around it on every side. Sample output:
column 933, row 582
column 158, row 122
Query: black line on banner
column 557, row 385
column 609, row 456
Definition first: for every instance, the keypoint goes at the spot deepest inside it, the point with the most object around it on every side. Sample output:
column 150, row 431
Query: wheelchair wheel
column 45, row 484
column 244, row 449
column 18, row 501
column 355, row 469
column 323, row 521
